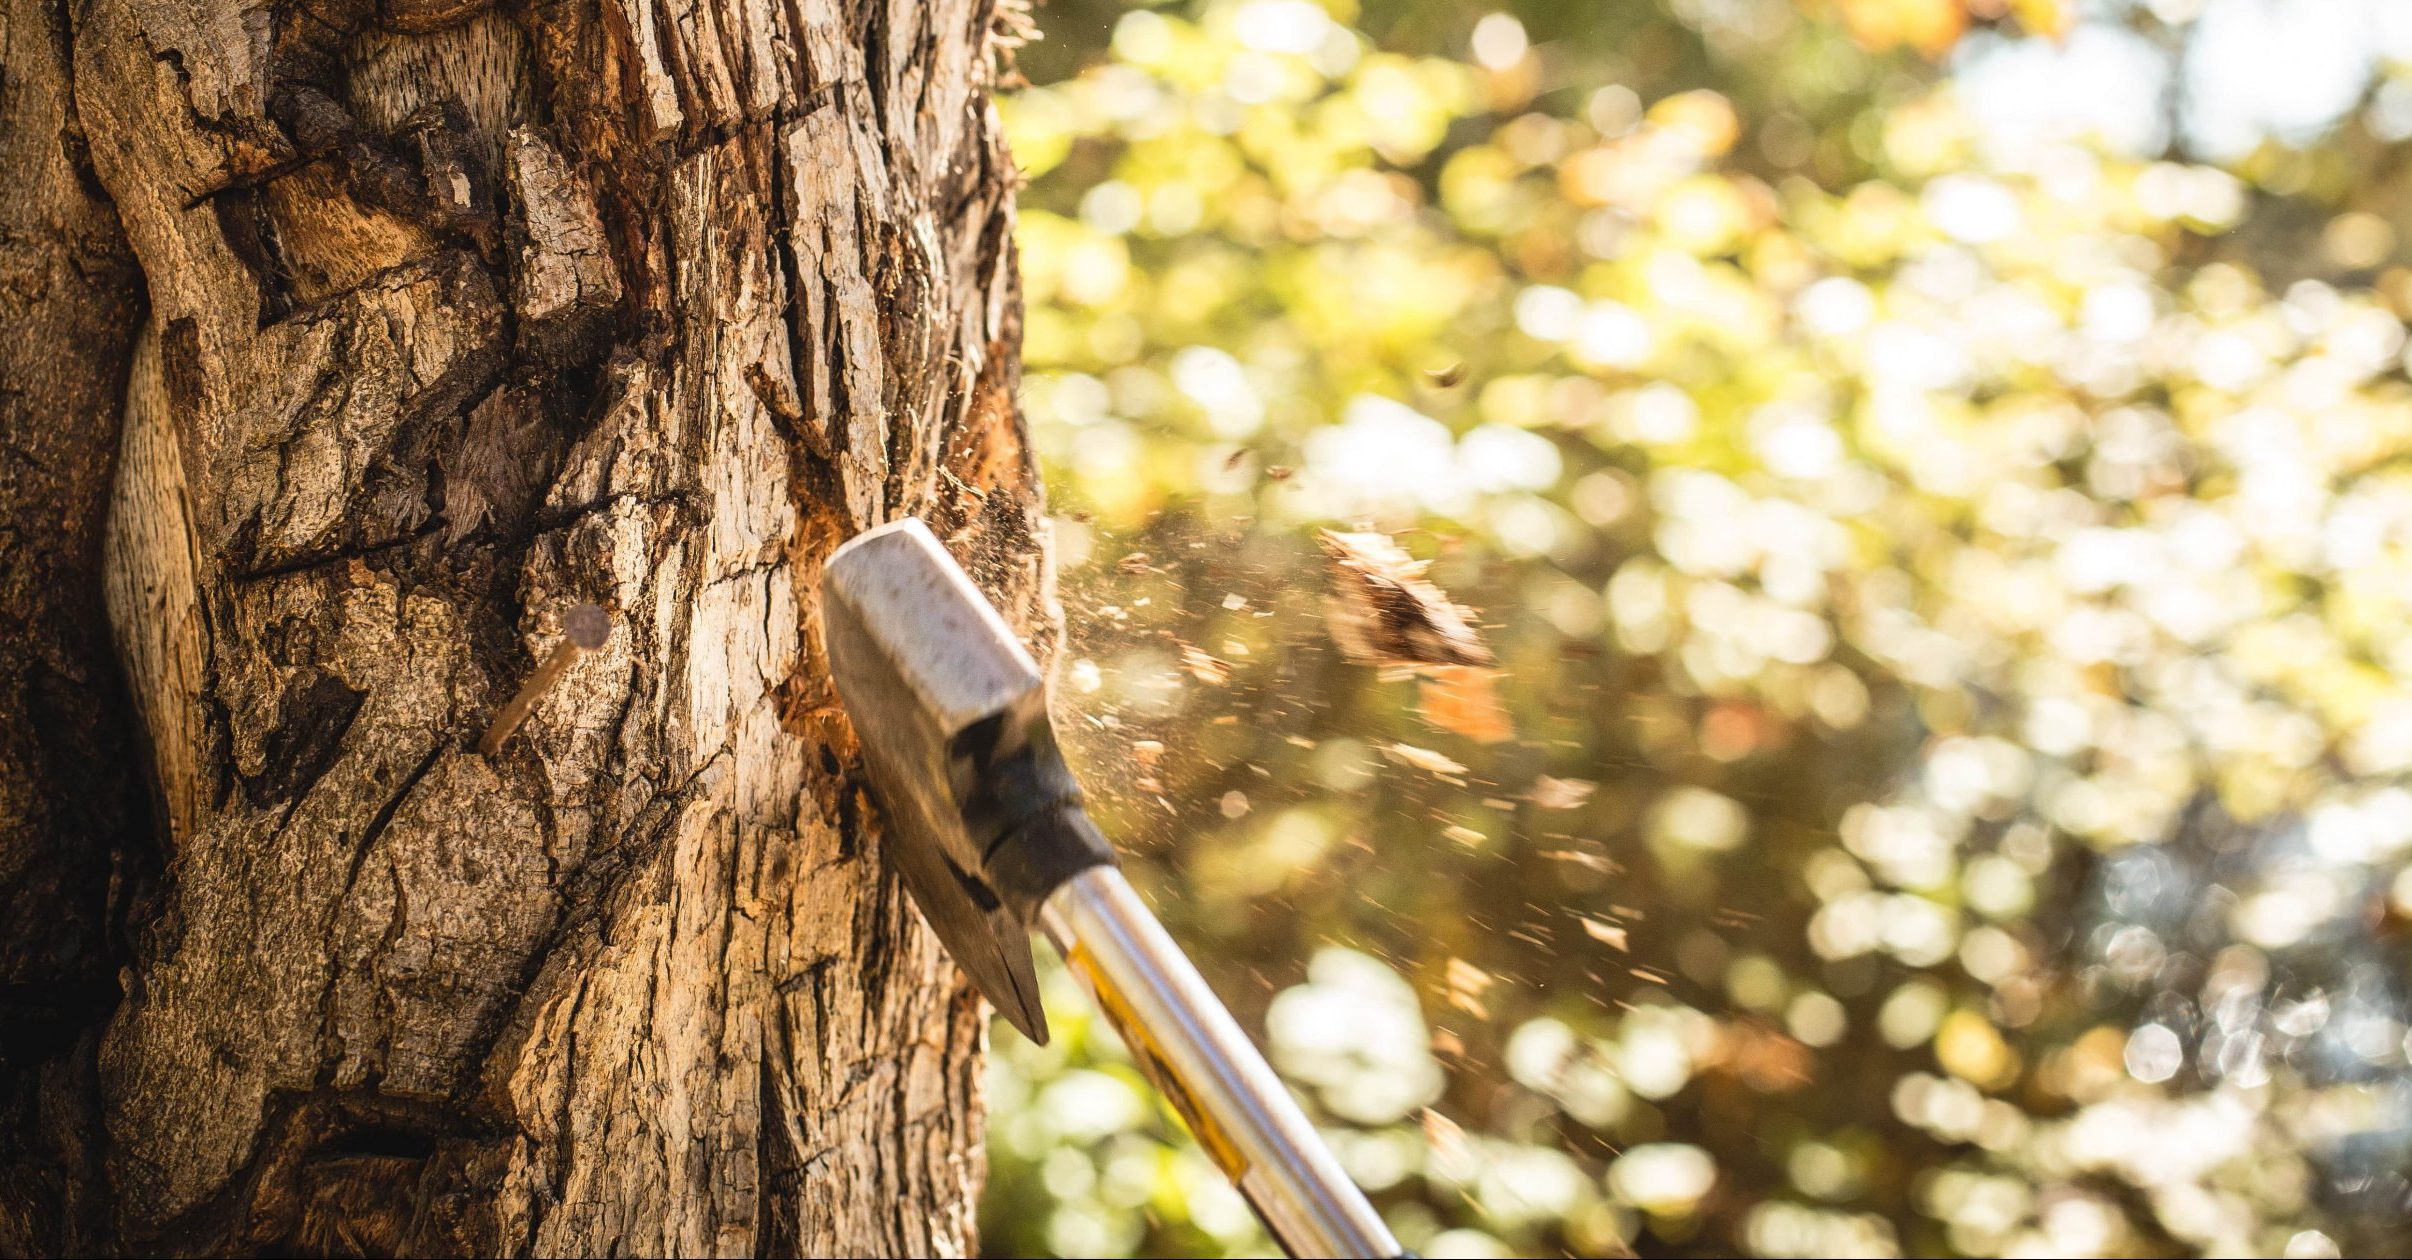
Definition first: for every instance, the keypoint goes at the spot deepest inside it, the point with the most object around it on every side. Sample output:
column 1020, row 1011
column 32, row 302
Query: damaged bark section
column 459, row 317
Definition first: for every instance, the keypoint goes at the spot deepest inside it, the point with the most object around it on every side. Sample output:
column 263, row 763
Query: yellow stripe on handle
column 1152, row 1063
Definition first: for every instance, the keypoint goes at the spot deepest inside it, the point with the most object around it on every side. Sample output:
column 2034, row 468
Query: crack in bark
column 330, row 1060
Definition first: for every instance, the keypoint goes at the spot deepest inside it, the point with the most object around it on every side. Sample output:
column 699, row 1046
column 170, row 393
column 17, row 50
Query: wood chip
column 1467, row 984
column 1422, row 759
column 1461, row 699
column 1580, row 857
column 1606, row 933
column 1204, row 668
column 1554, row 793
column 1447, row 1140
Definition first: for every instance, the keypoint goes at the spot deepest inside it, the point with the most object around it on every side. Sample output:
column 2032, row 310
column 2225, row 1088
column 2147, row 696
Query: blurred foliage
column 1943, row 790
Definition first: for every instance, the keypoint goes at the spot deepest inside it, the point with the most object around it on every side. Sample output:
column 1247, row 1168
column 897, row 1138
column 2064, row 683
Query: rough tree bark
column 458, row 315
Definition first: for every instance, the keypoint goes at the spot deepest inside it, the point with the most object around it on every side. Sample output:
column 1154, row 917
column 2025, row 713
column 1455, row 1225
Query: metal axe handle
column 1196, row 1055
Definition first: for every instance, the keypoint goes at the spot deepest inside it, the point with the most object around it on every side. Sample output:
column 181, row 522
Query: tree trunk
column 459, row 317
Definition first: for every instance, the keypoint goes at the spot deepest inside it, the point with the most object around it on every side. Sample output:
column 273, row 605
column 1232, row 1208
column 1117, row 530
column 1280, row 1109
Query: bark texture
column 74, row 834
column 459, row 316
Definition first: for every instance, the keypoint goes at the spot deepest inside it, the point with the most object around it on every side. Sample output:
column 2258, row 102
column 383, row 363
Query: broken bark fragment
column 1382, row 610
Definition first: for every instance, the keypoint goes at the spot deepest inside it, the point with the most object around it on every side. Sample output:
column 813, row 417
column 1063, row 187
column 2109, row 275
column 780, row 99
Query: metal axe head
column 952, row 715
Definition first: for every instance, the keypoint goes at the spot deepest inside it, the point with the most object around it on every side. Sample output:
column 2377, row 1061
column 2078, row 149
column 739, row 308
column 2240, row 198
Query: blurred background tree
column 1937, row 475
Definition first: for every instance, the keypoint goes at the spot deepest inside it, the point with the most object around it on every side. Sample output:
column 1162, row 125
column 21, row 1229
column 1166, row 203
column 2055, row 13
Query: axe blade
column 920, row 658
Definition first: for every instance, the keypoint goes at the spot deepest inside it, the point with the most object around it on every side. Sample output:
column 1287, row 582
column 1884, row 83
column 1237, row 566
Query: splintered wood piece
column 1382, row 611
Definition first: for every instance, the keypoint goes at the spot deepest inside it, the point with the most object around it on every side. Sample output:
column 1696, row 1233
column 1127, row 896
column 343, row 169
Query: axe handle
column 1194, row 1052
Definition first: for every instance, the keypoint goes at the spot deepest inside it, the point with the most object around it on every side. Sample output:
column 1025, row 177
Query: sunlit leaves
column 1951, row 616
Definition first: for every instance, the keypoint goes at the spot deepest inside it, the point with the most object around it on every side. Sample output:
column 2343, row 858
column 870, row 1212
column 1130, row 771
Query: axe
column 985, row 824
